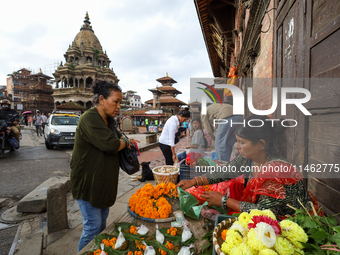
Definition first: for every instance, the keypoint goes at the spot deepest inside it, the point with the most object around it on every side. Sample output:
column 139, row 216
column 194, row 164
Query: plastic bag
column 186, row 235
column 159, row 235
column 142, row 230
column 210, row 161
column 102, row 248
column 180, row 218
column 185, row 250
column 149, row 250
column 222, row 187
column 188, row 204
column 120, row 239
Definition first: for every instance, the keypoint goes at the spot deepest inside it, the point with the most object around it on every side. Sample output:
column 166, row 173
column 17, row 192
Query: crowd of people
column 13, row 119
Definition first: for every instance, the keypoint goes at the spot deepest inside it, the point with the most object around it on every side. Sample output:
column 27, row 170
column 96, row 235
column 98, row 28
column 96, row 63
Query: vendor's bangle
column 125, row 142
column 224, row 202
column 202, row 180
column 196, row 183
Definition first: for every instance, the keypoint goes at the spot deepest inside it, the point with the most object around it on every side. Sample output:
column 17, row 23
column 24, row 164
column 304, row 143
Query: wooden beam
column 230, row 2
column 218, row 6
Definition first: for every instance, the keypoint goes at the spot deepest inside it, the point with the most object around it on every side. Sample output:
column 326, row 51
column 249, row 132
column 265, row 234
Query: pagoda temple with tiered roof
column 165, row 95
column 85, row 62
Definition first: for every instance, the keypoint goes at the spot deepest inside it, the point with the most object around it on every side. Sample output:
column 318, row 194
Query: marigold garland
column 149, row 202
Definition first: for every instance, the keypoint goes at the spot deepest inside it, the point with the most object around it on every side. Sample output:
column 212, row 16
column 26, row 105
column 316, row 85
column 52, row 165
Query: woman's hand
column 132, row 141
column 186, row 184
column 187, row 147
column 212, row 197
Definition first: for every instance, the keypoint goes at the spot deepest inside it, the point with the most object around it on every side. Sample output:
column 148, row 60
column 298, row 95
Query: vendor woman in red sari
column 265, row 179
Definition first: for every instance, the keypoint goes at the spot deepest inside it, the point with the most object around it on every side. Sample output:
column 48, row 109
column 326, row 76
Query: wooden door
column 307, row 36
column 323, row 61
column 288, row 64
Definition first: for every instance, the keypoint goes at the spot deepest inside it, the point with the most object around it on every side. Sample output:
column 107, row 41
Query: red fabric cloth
column 267, row 183
column 270, row 183
column 234, row 187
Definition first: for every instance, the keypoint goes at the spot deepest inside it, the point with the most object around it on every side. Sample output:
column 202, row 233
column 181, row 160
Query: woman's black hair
column 103, row 88
column 271, row 132
column 205, row 142
column 185, row 113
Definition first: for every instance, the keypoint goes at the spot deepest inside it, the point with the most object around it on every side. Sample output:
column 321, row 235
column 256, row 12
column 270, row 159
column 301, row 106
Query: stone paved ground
column 65, row 242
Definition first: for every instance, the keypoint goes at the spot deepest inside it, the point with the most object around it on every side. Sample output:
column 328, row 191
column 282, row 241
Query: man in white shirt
column 167, row 139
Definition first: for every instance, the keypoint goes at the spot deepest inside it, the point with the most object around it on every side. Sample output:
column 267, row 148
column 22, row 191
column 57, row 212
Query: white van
column 60, row 129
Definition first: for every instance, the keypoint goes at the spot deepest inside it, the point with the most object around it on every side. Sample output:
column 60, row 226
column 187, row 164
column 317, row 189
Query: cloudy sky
column 143, row 39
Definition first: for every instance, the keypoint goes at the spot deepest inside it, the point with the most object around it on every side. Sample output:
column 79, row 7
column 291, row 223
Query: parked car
column 60, row 129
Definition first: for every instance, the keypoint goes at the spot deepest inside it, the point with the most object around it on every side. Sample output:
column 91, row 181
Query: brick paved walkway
column 156, row 157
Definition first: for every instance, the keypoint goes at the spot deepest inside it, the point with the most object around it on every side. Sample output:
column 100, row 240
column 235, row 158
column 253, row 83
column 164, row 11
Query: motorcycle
column 7, row 140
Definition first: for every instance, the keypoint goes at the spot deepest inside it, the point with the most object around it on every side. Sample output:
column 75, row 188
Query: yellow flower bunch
column 149, row 202
column 258, row 232
column 294, row 233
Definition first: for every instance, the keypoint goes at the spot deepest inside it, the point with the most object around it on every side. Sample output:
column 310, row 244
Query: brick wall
column 262, row 88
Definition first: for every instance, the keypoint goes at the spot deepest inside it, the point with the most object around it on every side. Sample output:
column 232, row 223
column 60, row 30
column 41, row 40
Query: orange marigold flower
column 130, row 253
column 169, row 245
column 224, row 234
column 98, row 252
column 173, row 233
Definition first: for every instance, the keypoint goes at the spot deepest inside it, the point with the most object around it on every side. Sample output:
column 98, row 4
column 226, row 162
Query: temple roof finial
column 87, row 16
column 166, row 74
column 40, row 70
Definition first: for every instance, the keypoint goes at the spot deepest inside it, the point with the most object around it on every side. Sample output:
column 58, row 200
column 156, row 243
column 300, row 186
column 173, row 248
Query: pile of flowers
column 136, row 244
column 172, row 231
column 260, row 233
column 98, row 252
column 110, row 243
column 168, row 245
column 150, row 201
column 192, row 158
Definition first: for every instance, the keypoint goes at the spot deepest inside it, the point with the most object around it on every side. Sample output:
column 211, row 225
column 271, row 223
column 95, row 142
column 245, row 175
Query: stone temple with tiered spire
column 85, row 61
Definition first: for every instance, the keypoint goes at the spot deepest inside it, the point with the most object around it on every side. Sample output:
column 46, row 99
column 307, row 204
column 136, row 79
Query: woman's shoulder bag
column 128, row 160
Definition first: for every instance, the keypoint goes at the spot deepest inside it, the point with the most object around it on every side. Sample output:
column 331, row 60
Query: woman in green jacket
column 95, row 162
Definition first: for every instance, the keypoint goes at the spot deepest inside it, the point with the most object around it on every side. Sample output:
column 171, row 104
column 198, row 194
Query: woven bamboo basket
column 165, row 177
column 217, row 239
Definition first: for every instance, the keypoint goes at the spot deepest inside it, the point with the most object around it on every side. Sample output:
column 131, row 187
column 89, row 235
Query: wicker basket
column 165, row 177
column 217, row 239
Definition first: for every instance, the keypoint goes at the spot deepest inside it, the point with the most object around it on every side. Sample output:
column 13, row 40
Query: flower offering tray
column 175, row 206
column 217, row 239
